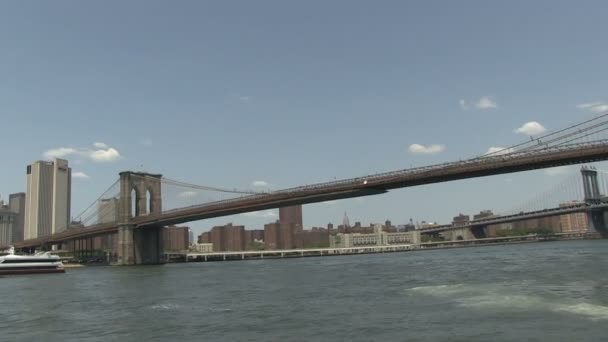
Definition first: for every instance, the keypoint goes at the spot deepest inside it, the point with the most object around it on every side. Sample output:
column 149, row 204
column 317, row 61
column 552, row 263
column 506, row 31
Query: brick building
column 176, row 238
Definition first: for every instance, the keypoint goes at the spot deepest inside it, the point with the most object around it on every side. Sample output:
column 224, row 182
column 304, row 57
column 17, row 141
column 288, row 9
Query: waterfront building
column 271, row 235
column 48, row 198
column 205, row 237
column 176, row 239
column 253, row 237
column 7, row 220
column 377, row 238
column 314, row 238
column 16, row 204
column 573, row 221
column 228, row 238
column 202, row 248
column 460, row 220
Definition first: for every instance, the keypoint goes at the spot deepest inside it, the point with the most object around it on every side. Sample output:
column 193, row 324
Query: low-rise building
column 377, row 238
column 574, row 221
column 201, row 248
column 460, row 220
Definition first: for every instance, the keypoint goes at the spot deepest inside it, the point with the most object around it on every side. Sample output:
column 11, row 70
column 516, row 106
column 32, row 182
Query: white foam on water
column 440, row 290
column 501, row 296
column 593, row 312
column 164, row 307
column 504, row 302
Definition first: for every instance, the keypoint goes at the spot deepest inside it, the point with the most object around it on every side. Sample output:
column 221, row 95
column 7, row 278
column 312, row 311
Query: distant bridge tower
column 590, row 184
column 141, row 245
column 596, row 217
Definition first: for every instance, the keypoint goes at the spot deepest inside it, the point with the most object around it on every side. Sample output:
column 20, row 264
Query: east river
column 550, row 291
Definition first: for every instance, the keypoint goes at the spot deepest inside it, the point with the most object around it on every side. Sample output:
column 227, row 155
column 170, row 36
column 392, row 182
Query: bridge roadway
column 583, row 207
column 356, row 187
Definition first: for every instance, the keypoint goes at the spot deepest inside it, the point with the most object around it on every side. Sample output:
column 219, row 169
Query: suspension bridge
column 577, row 193
column 138, row 205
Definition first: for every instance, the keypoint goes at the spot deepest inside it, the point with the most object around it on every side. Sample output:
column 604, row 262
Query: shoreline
column 361, row 250
column 303, row 253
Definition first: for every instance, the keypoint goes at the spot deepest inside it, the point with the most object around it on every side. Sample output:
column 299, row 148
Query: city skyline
column 358, row 102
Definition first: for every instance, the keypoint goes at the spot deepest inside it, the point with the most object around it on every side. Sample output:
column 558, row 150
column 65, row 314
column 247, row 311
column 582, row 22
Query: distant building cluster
column 565, row 223
column 286, row 233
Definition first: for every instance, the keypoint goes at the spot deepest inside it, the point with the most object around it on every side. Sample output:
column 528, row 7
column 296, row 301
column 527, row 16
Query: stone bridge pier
column 463, row 233
column 140, row 194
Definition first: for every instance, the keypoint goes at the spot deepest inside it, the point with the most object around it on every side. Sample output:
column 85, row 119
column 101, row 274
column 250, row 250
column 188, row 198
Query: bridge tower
column 597, row 218
column 141, row 245
column 590, row 184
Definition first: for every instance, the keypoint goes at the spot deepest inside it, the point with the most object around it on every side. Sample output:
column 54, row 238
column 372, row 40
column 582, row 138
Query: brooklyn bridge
column 135, row 205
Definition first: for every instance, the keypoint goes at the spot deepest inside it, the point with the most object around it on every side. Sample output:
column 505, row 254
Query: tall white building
column 48, row 198
column 107, row 210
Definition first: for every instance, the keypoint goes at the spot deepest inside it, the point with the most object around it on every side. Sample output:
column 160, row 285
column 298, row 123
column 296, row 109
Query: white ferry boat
column 43, row 262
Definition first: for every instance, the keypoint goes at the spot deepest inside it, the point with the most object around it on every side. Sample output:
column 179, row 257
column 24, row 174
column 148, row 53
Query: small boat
column 42, row 262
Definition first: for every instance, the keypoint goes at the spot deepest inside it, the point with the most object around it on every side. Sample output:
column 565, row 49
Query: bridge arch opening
column 148, row 201
column 134, row 198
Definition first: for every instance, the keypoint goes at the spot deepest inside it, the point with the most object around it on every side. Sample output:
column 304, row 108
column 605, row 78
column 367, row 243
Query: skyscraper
column 48, row 198
column 7, row 219
column 16, row 204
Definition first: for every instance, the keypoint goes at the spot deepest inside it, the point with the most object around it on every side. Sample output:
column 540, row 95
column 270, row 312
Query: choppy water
column 534, row 292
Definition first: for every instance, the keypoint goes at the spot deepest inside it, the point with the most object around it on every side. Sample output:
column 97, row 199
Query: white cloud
column 100, row 145
column 146, row 142
column 332, row 202
column 268, row 214
column 531, row 128
column 463, row 104
column 99, row 153
column 594, row 107
column 486, row 102
column 588, row 105
column 61, row 152
column 187, row 194
column 556, row 171
column 495, row 150
column 600, row 108
column 259, row 183
column 107, row 155
column 426, row 149
column 81, row 175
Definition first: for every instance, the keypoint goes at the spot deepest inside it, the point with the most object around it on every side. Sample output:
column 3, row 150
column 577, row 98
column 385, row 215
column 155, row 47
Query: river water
column 551, row 291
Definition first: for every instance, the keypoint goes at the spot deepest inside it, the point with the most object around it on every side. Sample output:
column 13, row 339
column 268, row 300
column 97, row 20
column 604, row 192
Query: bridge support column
column 126, row 254
column 148, row 246
column 597, row 222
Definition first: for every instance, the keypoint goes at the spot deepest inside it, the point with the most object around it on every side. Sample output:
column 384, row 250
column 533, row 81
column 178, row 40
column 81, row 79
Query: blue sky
column 232, row 92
